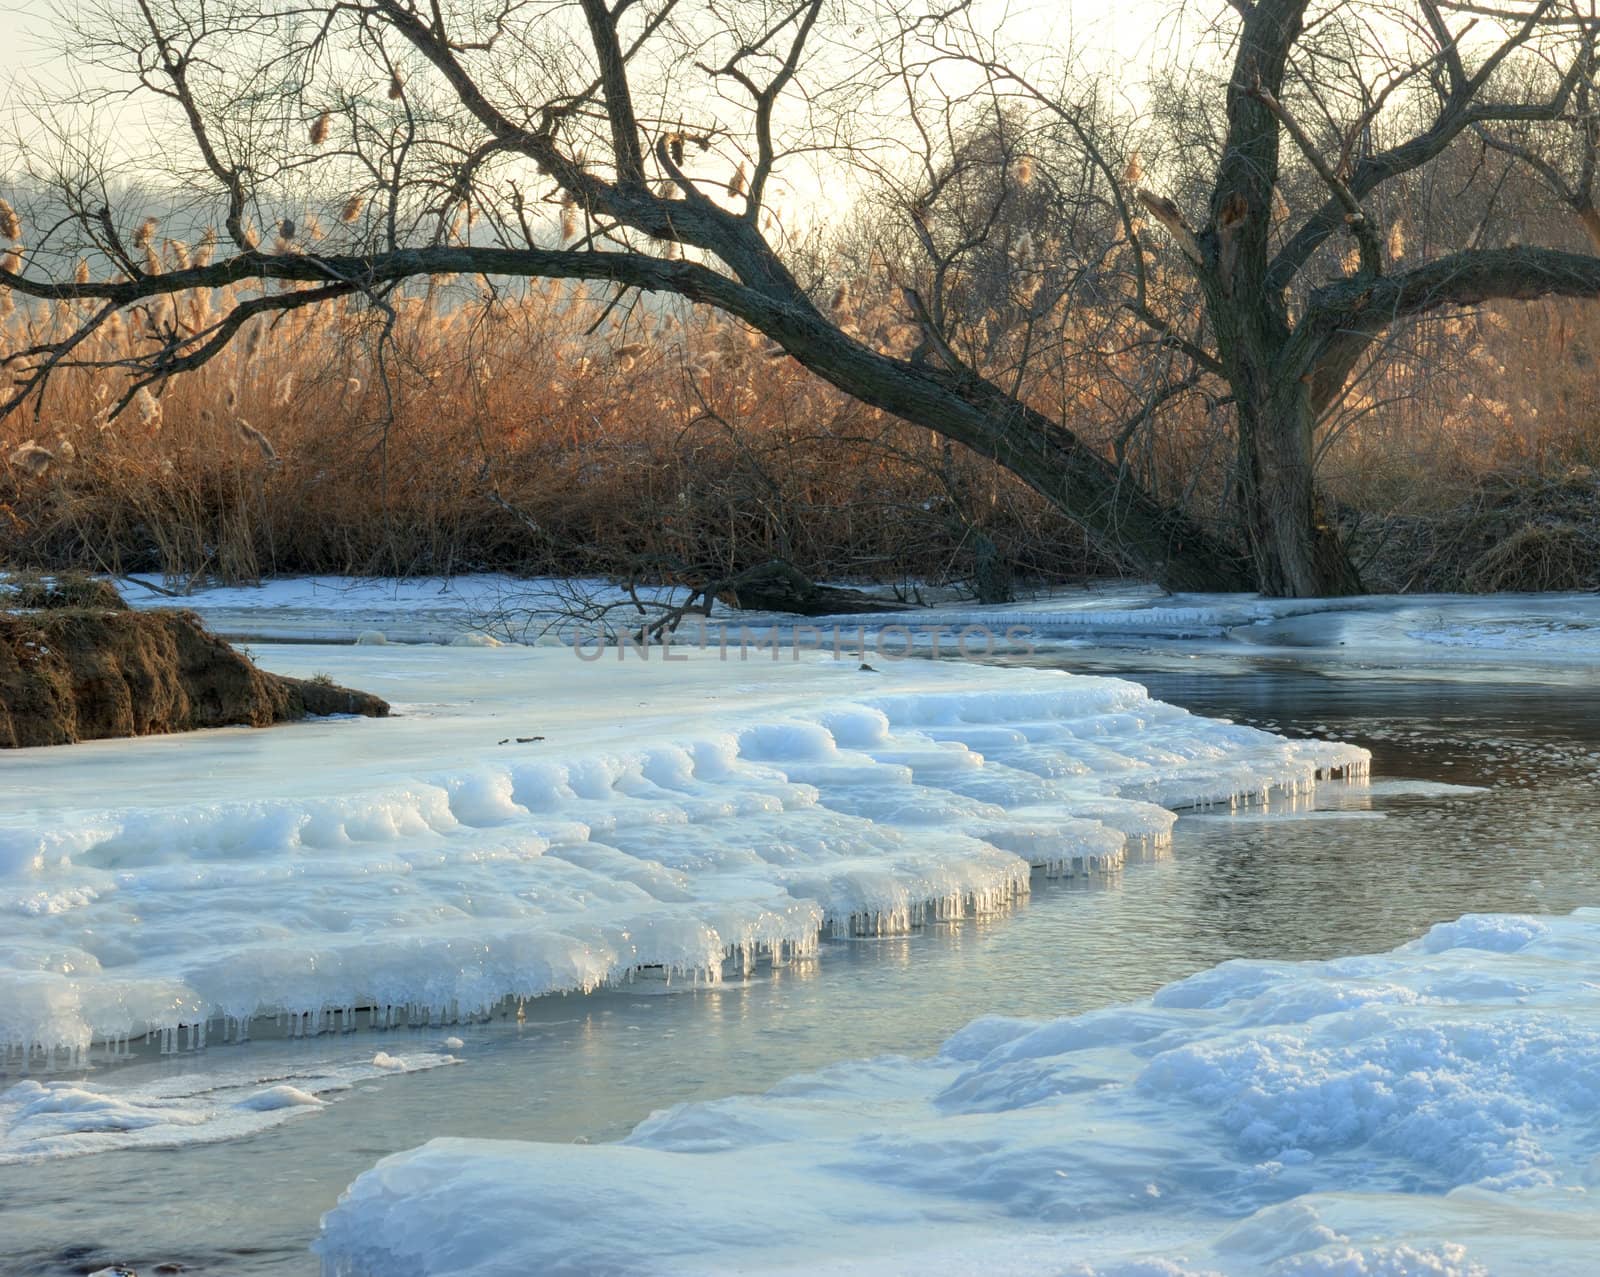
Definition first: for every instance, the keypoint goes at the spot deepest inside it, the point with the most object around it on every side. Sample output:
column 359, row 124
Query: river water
column 1377, row 869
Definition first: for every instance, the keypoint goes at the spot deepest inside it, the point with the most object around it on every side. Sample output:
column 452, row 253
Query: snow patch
column 1425, row 1112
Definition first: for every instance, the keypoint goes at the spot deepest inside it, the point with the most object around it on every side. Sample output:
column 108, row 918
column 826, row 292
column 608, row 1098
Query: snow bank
column 533, row 823
column 377, row 610
column 1435, row 1110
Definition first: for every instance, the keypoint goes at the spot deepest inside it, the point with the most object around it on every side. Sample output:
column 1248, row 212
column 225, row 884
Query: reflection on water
column 591, row 1067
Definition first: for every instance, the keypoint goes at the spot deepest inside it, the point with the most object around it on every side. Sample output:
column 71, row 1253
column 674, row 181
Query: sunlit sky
column 28, row 41
column 36, row 68
column 1111, row 29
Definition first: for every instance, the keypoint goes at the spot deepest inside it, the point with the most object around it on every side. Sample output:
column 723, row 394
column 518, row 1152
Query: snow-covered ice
column 1431, row 1111
column 531, row 822
column 381, row 610
column 1540, row 637
column 1536, row 637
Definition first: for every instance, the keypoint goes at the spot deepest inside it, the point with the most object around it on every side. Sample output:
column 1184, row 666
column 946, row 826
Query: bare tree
column 1351, row 100
column 641, row 143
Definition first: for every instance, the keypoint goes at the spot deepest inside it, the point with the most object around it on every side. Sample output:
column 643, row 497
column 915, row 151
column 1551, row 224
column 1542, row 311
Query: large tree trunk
column 1297, row 553
column 1294, row 550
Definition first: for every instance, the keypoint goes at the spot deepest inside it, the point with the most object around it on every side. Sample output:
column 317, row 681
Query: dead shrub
column 1538, row 557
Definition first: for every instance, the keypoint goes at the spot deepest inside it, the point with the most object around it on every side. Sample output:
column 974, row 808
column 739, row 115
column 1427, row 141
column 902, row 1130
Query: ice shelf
column 532, row 822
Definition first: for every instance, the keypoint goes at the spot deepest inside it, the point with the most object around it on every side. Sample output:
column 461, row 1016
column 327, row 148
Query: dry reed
column 669, row 443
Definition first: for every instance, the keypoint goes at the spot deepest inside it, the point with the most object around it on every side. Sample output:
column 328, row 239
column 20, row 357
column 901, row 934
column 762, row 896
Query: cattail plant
column 10, row 223
column 144, row 233
column 397, row 87
column 1134, row 173
column 352, row 208
column 736, row 183
column 149, row 408
column 32, row 459
column 251, row 435
column 320, row 127
column 1397, row 240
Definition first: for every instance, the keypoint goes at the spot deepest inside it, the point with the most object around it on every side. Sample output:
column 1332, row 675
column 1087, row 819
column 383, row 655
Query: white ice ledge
column 534, row 823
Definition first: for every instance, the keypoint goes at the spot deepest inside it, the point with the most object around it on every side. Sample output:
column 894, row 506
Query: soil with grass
column 76, row 664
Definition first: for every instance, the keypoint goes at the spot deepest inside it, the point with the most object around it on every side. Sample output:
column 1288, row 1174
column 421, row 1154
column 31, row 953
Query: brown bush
column 497, row 437
column 1555, row 556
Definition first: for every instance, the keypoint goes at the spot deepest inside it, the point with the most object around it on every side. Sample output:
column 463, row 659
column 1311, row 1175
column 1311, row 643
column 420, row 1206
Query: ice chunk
column 278, row 1097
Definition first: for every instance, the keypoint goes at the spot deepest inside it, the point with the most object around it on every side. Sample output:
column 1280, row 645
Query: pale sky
column 1119, row 28
column 28, row 43
column 1104, row 33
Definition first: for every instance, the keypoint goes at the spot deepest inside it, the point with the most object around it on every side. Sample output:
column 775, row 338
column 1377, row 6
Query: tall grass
column 539, row 433
column 545, row 432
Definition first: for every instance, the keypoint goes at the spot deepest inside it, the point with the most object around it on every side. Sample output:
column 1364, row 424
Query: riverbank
column 1483, row 800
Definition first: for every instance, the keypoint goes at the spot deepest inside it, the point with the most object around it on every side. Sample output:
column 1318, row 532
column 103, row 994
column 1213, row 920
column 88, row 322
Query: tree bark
column 1296, row 551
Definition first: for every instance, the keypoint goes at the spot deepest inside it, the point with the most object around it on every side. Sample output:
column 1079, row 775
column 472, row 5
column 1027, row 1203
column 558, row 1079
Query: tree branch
column 1355, row 216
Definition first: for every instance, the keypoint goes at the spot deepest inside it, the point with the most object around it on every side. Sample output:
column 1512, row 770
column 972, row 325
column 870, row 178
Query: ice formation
column 152, row 1107
column 532, row 823
column 1431, row 1111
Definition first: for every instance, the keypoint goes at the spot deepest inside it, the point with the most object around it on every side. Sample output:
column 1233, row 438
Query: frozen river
column 1369, row 868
